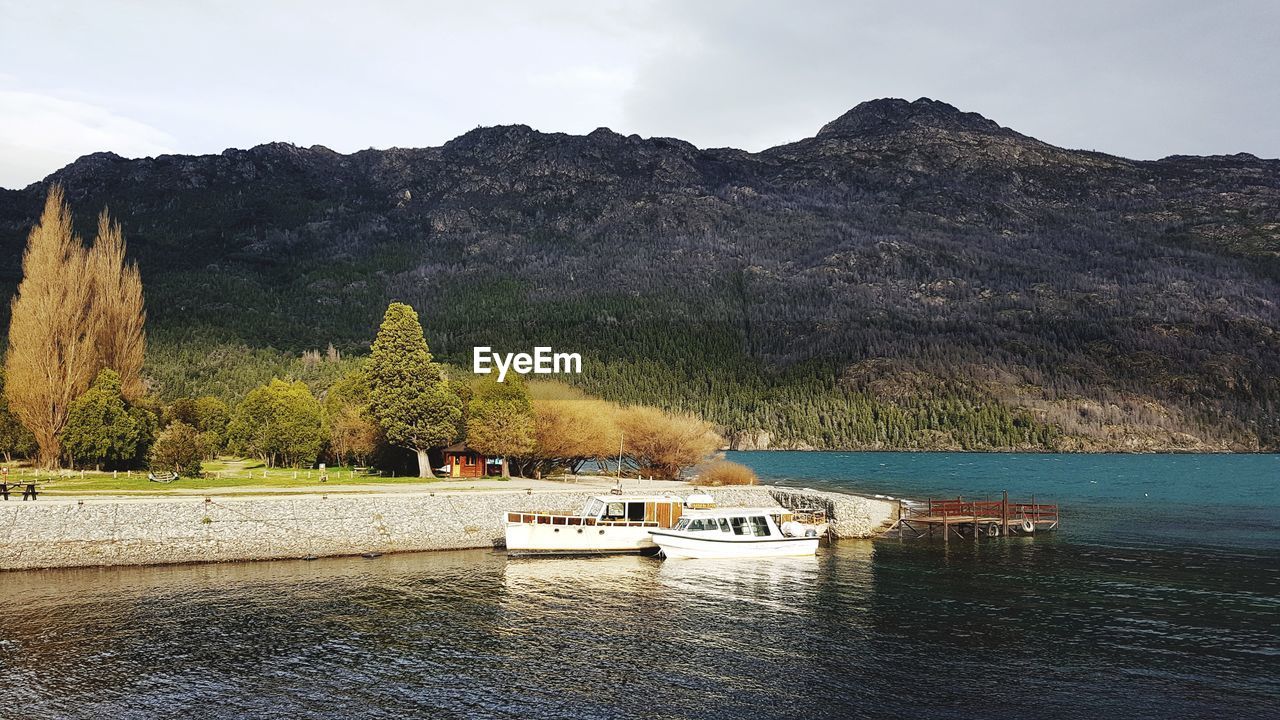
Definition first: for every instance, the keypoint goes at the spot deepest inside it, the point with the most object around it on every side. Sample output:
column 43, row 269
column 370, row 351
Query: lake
column 1159, row 596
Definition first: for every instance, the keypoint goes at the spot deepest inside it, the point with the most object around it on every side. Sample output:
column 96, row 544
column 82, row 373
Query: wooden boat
column 737, row 533
column 606, row 524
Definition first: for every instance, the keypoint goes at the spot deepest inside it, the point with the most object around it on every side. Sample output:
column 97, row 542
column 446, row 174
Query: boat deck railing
column 555, row 519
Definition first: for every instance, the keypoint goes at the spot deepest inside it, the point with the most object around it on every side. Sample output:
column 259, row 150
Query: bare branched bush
column 724, row 472
column 662, row 444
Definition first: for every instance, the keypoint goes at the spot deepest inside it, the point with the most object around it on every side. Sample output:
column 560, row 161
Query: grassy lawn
column 221, row 473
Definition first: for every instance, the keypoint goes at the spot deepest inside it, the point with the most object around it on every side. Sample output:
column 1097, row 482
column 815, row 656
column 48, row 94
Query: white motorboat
column 736, row 533
column 606, row 524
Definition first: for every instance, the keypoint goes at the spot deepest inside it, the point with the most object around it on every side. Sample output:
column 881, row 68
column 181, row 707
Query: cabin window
column 615, row 511
column 635, row 511
column 724, row 526
column 760, row 526
column 682, row 524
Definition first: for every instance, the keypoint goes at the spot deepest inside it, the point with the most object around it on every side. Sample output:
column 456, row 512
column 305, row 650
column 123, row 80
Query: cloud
column 40, row 133
column 1142, row 79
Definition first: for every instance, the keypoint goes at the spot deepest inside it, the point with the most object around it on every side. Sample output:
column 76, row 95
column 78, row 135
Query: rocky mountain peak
column 889, row 115
column 490, row 137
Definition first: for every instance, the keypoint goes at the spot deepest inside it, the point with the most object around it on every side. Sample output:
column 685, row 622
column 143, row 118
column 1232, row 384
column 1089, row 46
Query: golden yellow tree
column 662, row 444
column 570, row 428
column 118, row 313
column 53, row 330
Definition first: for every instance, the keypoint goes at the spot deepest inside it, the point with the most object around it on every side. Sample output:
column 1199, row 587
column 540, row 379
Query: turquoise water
column 1229, row 501
column 1159, row 597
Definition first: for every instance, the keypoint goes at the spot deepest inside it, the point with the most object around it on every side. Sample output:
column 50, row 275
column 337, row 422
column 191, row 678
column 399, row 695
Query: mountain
column 910, row 276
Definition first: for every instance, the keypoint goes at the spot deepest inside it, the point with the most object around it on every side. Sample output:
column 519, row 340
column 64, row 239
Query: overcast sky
column 1140, row 79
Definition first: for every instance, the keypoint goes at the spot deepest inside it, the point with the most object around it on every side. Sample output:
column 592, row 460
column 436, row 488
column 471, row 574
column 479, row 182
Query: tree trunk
column 506, row 469
column 424, row 465
column 49, row 451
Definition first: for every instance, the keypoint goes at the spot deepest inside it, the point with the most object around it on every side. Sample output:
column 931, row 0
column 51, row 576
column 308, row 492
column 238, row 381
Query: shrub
column 280, row 422
column 178, row 449
column 723, row 472
column 102, row 427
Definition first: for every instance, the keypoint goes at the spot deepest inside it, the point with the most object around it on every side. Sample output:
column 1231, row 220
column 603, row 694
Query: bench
column 29, row 491
column 163, row 476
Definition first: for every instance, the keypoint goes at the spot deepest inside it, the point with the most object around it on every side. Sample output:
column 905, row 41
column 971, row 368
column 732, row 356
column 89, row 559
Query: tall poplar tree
column 119, row 315
column 15, row 438
column 500, row 419
column 77, row 312
column 52, row 332
column 409, row 395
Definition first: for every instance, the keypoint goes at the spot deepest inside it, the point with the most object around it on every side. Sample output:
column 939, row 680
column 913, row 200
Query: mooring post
column 1004, row 514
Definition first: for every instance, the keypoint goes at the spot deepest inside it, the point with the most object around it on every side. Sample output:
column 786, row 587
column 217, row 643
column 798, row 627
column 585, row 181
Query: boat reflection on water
column 759, row 579
column 604, row 573
column 783, row 584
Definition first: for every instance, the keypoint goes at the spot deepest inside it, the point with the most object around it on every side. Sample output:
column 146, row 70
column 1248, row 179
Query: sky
column 1134, row 78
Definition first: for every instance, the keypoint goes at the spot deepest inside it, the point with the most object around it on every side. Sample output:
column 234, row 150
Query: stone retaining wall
column 68, row 533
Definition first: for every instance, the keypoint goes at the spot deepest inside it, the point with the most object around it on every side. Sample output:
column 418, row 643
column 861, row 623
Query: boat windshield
column 593, row 508
column 755, row 526
column 697, row 524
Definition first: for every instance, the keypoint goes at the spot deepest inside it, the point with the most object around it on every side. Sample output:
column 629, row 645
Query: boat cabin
column 750, row 522
column 605, row 524
column 463, row 462
column 737, row 533
column 649, row 510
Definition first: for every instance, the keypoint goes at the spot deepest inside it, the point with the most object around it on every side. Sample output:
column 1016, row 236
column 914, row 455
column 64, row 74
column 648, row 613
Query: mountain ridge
column 910, row 260
column 867, row 119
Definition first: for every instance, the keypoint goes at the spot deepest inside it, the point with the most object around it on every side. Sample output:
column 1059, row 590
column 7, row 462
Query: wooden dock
column 972, row 519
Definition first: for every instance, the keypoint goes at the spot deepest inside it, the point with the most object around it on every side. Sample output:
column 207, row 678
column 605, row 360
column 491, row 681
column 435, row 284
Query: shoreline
column 162, row 530
column 1010, row 451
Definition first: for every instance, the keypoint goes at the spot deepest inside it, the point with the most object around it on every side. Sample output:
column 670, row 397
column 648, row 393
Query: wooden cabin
column 464, row 462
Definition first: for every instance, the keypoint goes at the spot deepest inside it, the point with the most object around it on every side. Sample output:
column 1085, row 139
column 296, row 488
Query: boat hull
column 681, row 546
column 547, row 539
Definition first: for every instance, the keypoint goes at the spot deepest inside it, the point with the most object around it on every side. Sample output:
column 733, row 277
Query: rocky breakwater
column 72, row 533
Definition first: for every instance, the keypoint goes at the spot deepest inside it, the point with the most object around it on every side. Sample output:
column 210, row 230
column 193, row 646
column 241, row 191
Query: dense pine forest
column 912, row 276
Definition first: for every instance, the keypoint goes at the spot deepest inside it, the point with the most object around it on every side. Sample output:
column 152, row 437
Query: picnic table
column 28, row 489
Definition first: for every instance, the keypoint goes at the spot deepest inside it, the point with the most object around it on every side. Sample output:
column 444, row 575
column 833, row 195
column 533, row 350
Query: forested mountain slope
column 911, row 276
